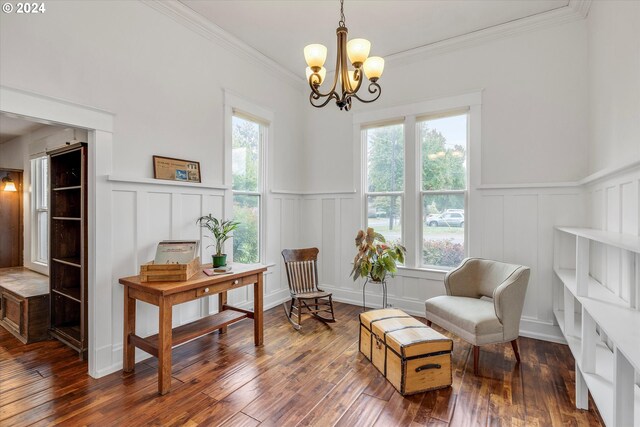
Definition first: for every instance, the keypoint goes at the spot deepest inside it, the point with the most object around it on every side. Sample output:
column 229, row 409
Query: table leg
column 128, row 354
column 258, row 331
column 164, row 346
column 222, row 300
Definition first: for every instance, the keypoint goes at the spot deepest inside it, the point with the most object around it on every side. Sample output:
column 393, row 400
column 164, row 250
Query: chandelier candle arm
column 355, row 53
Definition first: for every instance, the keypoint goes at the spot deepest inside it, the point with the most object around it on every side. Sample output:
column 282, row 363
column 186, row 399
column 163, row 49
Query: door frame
column 99, row 125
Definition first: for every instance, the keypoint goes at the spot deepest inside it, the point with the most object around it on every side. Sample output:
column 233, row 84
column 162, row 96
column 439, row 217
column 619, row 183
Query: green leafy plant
column 219, row 230
column 376, row 258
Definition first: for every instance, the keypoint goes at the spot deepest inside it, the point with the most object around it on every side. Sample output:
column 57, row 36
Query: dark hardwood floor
column 312, row 377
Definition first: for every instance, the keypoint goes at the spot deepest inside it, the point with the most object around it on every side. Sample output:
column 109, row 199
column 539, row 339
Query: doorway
column 11, row 216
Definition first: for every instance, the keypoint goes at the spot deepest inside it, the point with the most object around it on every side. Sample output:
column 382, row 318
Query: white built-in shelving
column 601, row 323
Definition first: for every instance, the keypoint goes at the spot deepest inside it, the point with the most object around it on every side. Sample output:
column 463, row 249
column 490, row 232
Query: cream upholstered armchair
column 479, row 320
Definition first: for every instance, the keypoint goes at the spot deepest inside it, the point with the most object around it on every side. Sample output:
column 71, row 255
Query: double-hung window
column 249, row 136
column 384, row 191
column 415, row 184
column 40, row 209
column 443, row 149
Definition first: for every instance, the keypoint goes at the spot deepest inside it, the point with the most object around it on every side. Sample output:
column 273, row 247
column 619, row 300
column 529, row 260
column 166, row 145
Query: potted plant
column 220, row 231
column 376, row 258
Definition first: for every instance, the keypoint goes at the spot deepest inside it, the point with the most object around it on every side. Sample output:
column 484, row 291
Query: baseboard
column 541, row 330
column 114, row 353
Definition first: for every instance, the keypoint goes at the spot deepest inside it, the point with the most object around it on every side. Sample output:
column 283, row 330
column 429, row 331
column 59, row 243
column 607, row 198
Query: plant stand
column 384, row 292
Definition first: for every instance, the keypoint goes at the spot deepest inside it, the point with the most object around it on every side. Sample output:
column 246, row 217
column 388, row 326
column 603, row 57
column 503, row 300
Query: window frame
column 263, row 135
column 365, row 175
column 236, row 105
column 425, row 193
column 469, row 103
column 40, row 185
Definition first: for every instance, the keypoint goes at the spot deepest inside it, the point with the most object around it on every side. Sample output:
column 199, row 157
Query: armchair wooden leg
column 514, row 344
column 476, row 359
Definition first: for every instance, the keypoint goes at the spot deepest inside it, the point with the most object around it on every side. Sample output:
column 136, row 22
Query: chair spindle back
column 302, row 269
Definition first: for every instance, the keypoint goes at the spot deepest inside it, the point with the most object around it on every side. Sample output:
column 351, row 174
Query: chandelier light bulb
column 358, row 51
column 319, row 76
column 373, row 67
column 315, row 55
column 345, row 83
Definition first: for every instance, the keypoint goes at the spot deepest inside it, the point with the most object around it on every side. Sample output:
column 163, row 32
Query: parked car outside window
column 448, row 219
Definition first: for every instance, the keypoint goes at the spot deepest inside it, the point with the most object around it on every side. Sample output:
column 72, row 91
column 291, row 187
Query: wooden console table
column 167, row 294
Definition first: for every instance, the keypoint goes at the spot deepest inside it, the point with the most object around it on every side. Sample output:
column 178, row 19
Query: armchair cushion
column 473, row 320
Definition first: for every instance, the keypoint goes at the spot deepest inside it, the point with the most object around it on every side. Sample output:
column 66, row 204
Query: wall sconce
column 9, row 185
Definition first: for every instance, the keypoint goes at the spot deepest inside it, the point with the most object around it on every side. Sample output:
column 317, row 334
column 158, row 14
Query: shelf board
column 73, row 187
column 68, row 334
column 574, row 342
column 66, row 218
column 595, row 290
column 628, row 242
column 71, row 293
column 206, row 325
column 72, row 261
column 600, row 382
column 610, row 312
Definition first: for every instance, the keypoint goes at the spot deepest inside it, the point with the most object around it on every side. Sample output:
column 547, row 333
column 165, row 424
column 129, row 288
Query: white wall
column 533, row 136
column 11, row 154
column 534, row 111
column 614, row 83
column 165, row 85
column 614, row 131
column 163, row 81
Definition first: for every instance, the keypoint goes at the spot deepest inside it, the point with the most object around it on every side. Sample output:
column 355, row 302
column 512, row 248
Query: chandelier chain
column 341, row 22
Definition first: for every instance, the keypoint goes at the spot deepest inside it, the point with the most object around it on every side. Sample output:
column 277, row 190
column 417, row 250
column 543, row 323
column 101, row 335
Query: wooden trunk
column 413, row 357
column 151, row 272
column 24, row 311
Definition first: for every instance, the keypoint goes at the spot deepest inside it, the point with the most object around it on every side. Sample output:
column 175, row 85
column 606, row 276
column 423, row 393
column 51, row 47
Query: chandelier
column 350, row 81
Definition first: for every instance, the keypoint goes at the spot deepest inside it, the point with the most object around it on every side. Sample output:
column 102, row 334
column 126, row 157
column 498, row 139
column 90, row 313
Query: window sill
column 421, row 273
column 269, row 266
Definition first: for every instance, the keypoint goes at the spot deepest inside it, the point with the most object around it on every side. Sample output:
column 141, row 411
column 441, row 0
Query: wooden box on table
column 151, row 272
column 413, row 357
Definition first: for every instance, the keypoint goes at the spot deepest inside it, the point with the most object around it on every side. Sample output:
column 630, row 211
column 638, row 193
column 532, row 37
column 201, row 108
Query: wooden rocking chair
column 302, row 273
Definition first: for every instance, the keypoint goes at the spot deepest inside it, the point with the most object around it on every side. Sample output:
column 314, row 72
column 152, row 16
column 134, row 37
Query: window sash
column 427, row 193
column 40, row 230
column 263, row 129
column 401, row 217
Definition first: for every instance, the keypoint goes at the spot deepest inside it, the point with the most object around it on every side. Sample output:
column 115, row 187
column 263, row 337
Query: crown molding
column 199, row 24
column 581, row 7
column 573, row 11
column 179, row 12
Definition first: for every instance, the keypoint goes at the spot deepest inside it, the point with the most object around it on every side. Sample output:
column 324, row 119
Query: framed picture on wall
column 176, row 169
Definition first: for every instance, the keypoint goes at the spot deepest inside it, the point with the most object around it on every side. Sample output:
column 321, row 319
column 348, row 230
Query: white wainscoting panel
column 145, row 213
column 614, row 205
column 515, row 225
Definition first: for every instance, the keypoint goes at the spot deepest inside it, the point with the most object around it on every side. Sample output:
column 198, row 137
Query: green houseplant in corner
column 376, row 258
column 220, row 231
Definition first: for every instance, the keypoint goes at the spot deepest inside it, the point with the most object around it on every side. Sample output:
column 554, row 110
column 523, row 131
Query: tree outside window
column 385, row 179
column 443, row 143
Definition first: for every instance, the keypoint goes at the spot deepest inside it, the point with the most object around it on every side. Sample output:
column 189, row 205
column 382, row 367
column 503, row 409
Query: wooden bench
column 24, row 304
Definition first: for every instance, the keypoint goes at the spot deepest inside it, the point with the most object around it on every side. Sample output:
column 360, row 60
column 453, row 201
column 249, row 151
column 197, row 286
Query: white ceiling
column 13, row 127
column 280, row 29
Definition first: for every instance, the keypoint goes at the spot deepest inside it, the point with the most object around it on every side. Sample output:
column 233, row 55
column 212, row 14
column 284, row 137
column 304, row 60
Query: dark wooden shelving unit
column 68, row 246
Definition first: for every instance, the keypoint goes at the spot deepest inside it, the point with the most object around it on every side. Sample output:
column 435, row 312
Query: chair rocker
column 306, row 297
